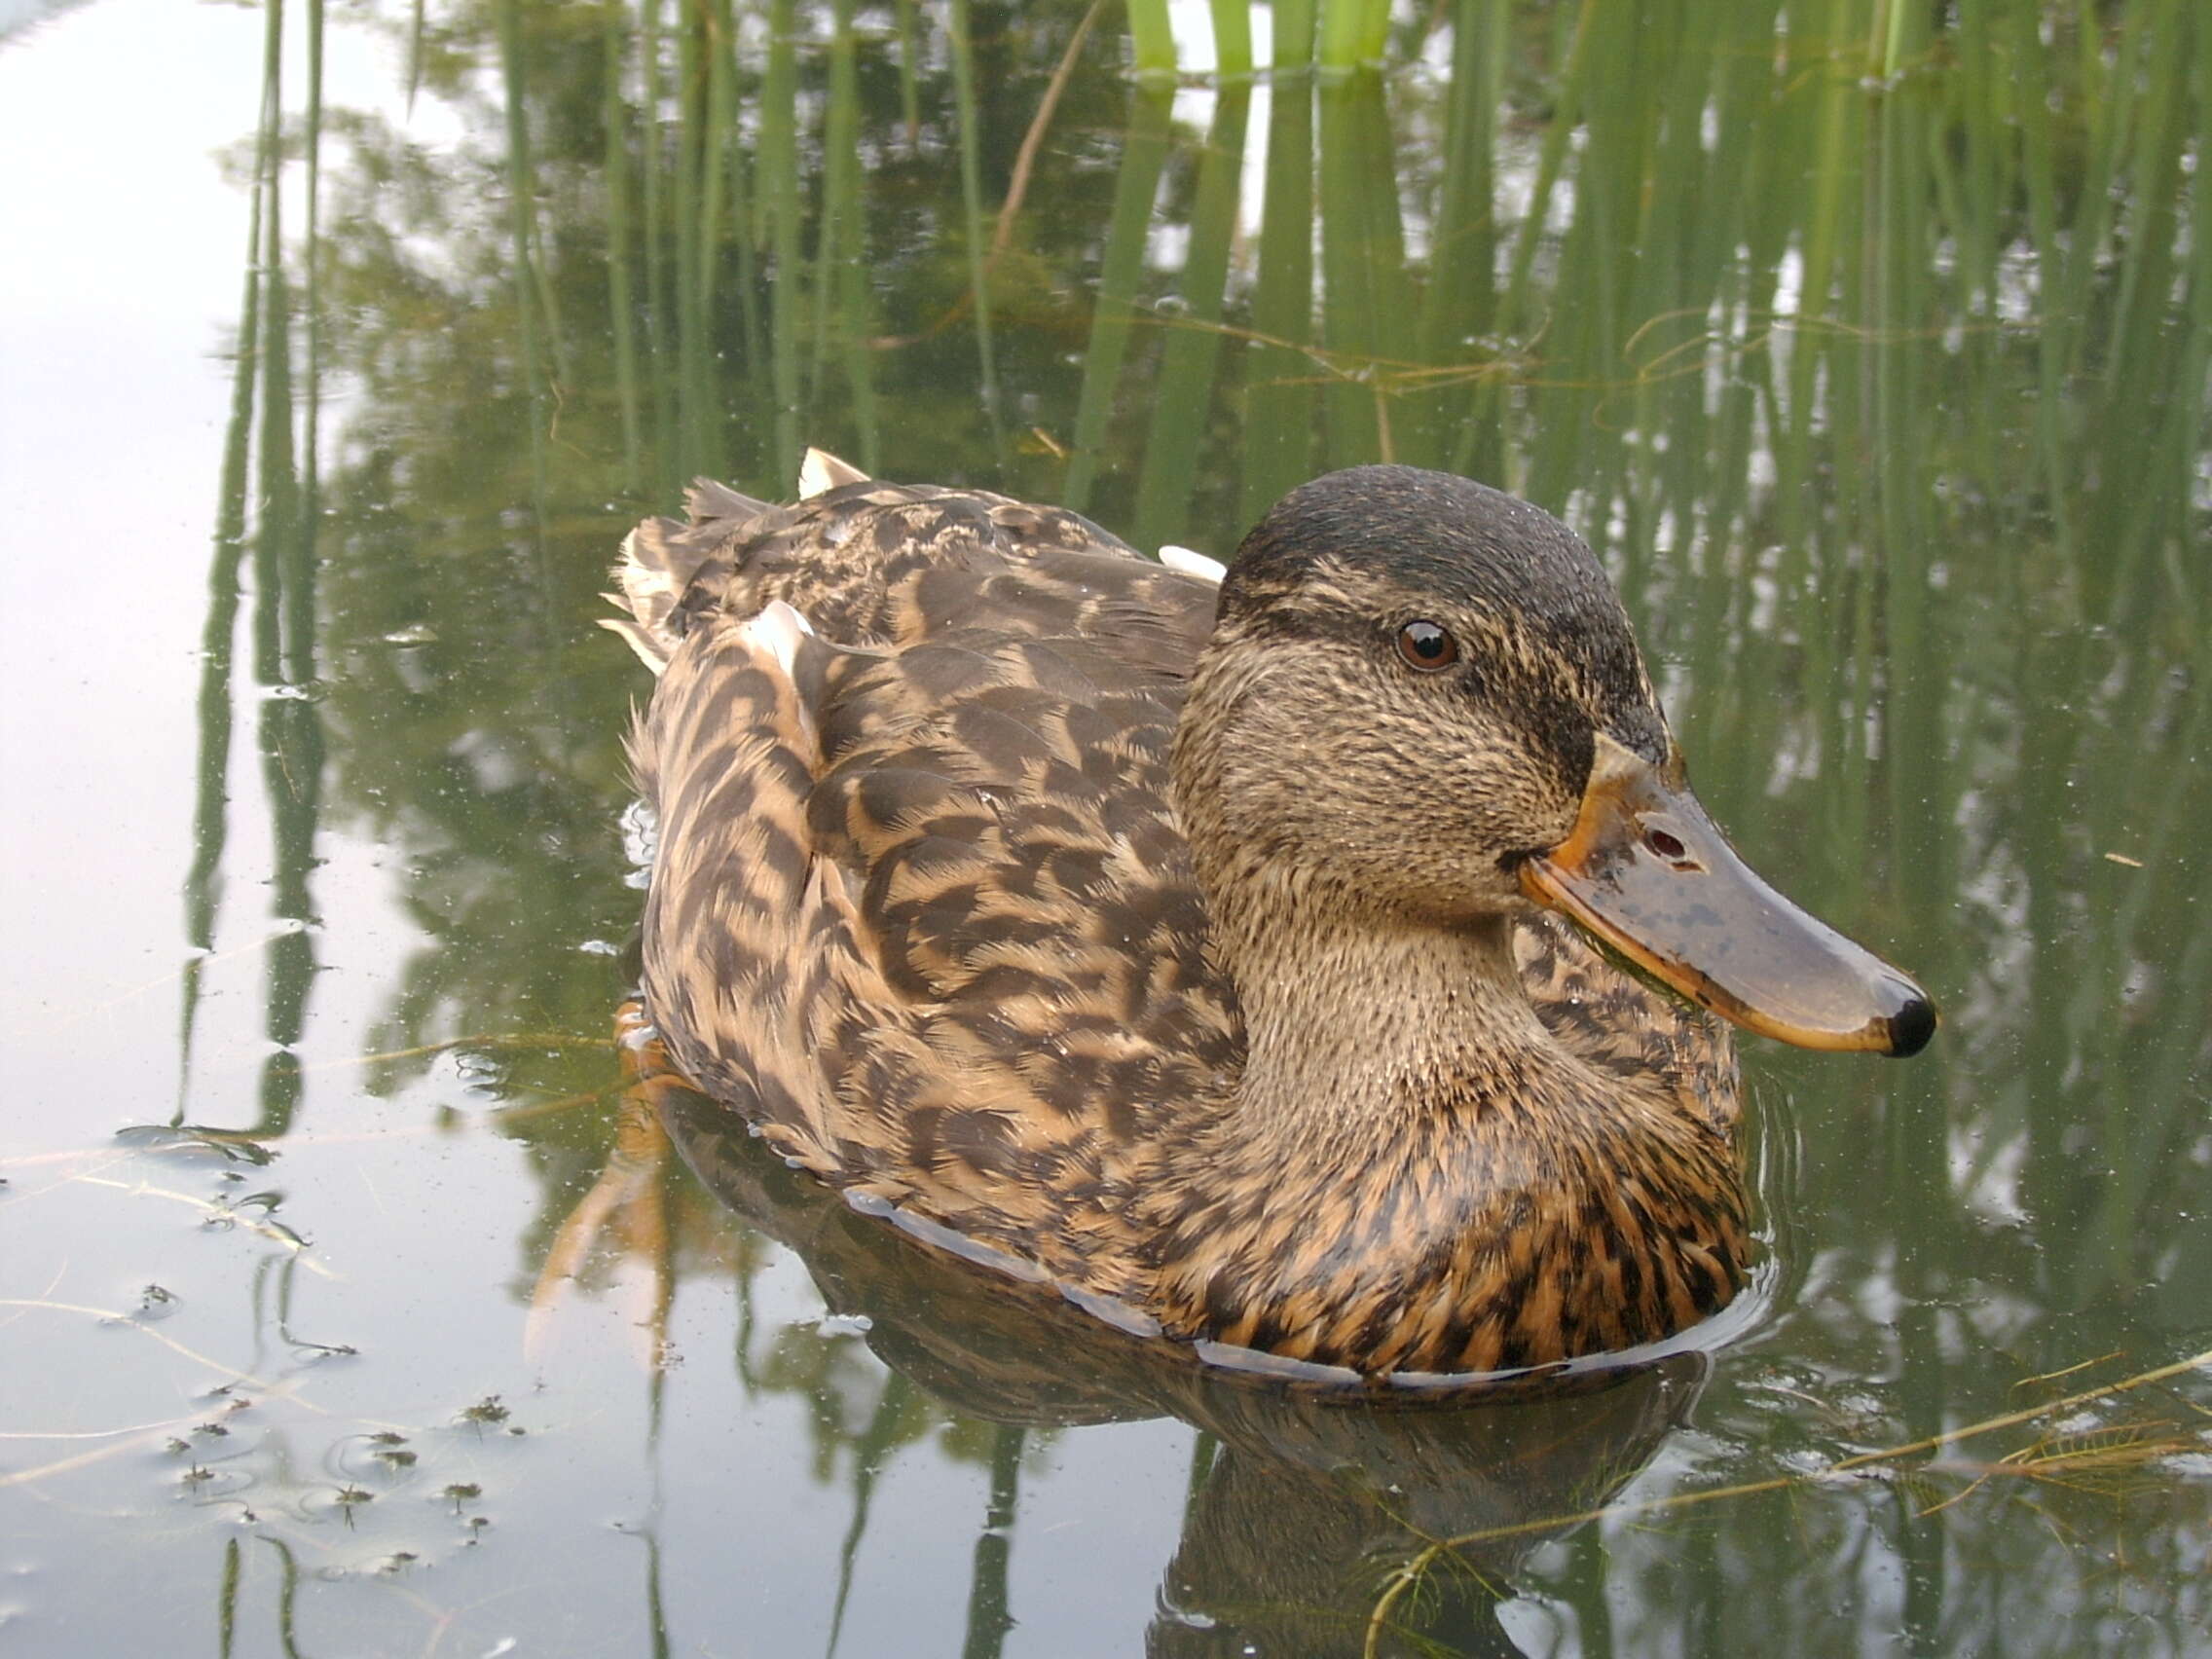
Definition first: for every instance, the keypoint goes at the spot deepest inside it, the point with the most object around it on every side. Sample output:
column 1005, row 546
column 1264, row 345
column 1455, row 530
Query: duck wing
column 922, row 911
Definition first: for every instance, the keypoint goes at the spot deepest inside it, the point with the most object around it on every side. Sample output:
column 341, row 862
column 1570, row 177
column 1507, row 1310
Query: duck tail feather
column 661, row 559
column 820, row 470
column 657, row 564
column 651, row 651
column 708, row 500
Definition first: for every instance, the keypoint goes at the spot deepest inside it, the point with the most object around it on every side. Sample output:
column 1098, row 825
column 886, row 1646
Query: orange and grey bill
column 1650, row 877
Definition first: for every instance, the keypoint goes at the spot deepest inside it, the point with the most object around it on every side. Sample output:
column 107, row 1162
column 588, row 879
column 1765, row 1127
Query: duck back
column 922, row 911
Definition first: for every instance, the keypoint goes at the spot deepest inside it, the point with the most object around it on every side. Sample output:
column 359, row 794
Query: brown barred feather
column 929, row 912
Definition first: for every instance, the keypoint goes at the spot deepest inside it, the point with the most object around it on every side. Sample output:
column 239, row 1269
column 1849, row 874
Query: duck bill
column 1649, row 876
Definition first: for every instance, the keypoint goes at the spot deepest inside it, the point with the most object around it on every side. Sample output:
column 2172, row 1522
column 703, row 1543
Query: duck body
column 1184, row 945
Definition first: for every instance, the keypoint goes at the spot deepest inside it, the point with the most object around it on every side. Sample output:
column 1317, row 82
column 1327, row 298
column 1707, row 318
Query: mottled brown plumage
column 1185, row 964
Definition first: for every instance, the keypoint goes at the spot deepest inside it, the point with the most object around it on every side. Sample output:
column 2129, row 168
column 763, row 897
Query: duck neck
column 1370, row 1022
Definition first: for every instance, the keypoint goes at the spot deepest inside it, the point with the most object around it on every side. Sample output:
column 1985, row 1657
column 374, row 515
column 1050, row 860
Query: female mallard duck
column 1194, row 947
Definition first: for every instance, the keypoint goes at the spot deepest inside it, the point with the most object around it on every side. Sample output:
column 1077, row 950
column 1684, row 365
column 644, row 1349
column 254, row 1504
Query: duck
column 1320, row 959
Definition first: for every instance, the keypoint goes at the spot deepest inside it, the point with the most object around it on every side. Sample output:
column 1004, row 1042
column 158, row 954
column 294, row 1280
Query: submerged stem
column 1411, row 1573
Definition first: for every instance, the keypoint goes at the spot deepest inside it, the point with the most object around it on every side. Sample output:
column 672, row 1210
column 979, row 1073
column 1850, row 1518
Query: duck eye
column 1426, row 646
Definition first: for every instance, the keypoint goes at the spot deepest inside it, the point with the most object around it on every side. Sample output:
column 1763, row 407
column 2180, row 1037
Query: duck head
column 1423, row 706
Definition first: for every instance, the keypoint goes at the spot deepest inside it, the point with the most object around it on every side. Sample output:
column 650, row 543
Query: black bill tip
column 1912, row 1026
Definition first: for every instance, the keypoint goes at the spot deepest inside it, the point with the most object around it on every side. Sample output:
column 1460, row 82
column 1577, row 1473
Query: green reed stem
column 621, row 303
column 1183, row 398
column 1279, row 394
column 522, row 252
column 780, row 191
column 1354, row 33
column 1144, row 153
column 910, row 74
column 972, row 211
column 1152, row 39
column 1231, row 37
column 845, row 231
column 660, row 344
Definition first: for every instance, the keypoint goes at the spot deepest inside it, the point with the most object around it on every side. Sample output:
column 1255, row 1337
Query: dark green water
column 1871, row 352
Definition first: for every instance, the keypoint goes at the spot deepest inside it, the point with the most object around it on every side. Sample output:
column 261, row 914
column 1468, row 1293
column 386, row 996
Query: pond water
column 344, row 1309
